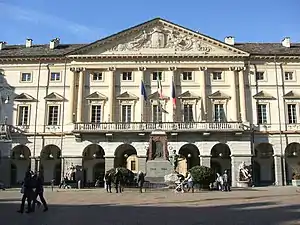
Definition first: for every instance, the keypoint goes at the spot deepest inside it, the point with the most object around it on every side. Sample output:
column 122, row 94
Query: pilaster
column 236, row 161
column 140, row 74
column 242, row 94
column 80, row 99
column 205, row 160
column 202, row 75
column 72, row 76
column 110, row 74
column 109, row 163
column 278, row 170
column 172, row 70
column 142, row 163
column 233, row 106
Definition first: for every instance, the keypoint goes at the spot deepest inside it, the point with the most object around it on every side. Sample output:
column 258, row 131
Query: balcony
column 5, row 132
column 164, row 126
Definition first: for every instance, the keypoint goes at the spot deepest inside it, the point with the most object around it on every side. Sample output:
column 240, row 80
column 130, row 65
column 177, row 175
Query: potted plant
column 296, row 177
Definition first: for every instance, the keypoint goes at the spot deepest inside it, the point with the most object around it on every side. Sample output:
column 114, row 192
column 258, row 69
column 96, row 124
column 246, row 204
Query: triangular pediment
column 159, row 37
column 156, row 96
column 218, row 95
column 291, row 95
column 54, row 97
column 127, row 96
column 263, row 95
column 24, row 98
column 188, row 95
column 96, row 96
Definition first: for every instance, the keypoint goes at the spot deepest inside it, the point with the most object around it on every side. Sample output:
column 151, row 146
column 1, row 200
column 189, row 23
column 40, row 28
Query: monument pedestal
column 157, row 169
column 243, row 184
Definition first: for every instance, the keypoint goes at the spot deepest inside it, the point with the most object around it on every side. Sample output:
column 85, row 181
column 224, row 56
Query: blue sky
column 88, row 20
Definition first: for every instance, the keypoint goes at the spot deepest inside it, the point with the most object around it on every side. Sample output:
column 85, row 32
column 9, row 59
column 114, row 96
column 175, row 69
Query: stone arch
column 263, row 164
column 292, row 160
column 20, row 162
column 21, row 152
column 220, row 150
column 93, row 155
column 220, row 158
column 50, row 152
column 123, row 154
column 190, row 155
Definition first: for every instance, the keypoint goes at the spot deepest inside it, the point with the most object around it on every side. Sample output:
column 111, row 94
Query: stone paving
column 273, row 205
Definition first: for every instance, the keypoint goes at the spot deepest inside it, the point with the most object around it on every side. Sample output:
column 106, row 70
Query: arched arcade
column 50, row 163
column 126, row 156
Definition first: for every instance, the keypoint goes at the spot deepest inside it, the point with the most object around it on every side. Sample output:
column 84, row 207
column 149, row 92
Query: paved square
column 274, row 205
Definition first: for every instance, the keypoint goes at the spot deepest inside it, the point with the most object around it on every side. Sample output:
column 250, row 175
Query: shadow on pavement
column 238, row 214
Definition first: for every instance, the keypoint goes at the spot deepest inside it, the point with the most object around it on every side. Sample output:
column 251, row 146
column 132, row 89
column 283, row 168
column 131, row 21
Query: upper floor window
column 126, row 113
column 292, row 113
column 188, row 113
column 97, row 76
column 187, row 76
column 96, row 113
column 23, row 115
column 157, row 75
column 288, row 76
column 26, row 77
column 217, row 75
column 55, row 76
column 127, row 76
column 53, row 115
column 219, row 113
column 156, row 113
column 260, row 75
column 262, row 117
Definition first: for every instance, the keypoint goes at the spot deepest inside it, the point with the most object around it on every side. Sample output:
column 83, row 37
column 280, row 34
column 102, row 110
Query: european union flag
column 143, row 91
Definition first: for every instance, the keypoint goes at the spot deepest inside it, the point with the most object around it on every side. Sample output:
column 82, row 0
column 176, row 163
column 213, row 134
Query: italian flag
column 159, row 87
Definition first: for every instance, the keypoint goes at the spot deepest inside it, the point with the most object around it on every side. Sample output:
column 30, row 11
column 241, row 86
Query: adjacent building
column 144, row 92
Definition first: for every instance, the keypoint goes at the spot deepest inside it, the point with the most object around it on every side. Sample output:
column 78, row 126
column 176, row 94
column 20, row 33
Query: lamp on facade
column 51, row 156
column 95, row 155
column 125, row 156
column 6, row 100
column 295, row 153
column 189, row 155
column 221, row 154
column 22, row 156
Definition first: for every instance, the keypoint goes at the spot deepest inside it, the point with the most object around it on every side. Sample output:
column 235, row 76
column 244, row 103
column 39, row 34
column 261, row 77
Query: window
column 187, row 76
column 53, row 115
column 219, row 113
column 288, row 76
column 97, row 76
column 55, row 76
column 260, row 75
column 132, row 165
column 157, row 76
column 26, row 77
column 188, row 113
column 217, row 75
column 156, row 113
column 262, row 114
column 126, row 113
column 292, row 113
column 96, row 114
column 23, row 115
column 127, row 76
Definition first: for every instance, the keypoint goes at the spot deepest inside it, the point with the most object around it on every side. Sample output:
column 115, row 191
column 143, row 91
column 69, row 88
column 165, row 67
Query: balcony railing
column 164, row 126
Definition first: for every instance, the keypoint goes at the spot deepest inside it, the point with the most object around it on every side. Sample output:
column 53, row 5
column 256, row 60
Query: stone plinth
column 157, row 169
column 243, row 184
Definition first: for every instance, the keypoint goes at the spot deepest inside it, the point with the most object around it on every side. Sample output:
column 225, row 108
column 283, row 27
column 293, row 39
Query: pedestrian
column 39, row 192
column 118, row 180
column 226, row 181
column 52, row 184
column 140, row 180
column 27, row 191
column 190, row 182
column 108, row 181
column 220, row 182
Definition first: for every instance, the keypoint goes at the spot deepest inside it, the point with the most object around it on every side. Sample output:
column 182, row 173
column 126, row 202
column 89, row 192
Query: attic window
column 55, row 76
column 260, row 75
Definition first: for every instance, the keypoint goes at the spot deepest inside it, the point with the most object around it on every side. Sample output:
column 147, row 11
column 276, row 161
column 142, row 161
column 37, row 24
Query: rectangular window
column 157, row 76
column 26, row 77
column 96, row 114
column 23, row 115
column 217, row 75
column 53, row 113
column 187, row 76
column 127, row 76
column 156, row 113
column 55, row 76
column 126, row 113
column 292, row 113
column 132, row 165
column 260, row 75
column 188, row 113
column 262, row 114
column 288, row 76
column 219, row 113
column 97, row 76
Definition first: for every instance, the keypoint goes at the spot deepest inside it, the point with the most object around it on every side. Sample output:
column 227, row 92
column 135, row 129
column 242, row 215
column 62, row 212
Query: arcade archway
column 292, row 160
column 126, row 156
column 20, row 163
column 190, row 156
column 93, row 157
column 263, row 165
column 50, row 165
column 220, row 158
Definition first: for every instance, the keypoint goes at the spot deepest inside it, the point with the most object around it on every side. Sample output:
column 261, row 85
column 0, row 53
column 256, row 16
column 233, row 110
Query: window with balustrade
column 188, row 113
column 23, row 115
column 126, row 113
column 157, row 113
column 262, row 113
column 96, row 113
column 292, row 113
column 219, row 113
column 53, row 115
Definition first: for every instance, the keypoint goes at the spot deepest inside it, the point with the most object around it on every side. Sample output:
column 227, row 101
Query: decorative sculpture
column 244, row 172
column 174, row 160
column 71, row 172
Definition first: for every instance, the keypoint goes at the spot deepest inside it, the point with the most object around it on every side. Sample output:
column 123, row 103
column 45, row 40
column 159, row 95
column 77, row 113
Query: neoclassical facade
column 142, row 93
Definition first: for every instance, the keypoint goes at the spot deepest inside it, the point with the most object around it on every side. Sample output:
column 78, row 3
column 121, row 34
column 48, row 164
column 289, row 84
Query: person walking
column 108, row 181
column 118, row 180
column 190, row 182
column 140, row 180
column 39, row 192
column 226, row 181
column 27, row 190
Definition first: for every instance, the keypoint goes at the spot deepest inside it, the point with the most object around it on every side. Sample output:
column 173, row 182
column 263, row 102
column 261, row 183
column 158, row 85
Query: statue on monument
column 174, row 160
column 158, row 151
column 244, row 172
column 71, row 173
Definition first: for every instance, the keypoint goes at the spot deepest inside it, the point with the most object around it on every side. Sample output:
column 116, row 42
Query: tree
column 202, row 175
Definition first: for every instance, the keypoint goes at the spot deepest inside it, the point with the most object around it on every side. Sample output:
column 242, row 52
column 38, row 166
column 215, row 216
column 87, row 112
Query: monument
column 245, row 177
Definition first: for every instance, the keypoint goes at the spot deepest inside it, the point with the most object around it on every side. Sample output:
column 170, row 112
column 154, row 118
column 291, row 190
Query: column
column 278, row 170
column 140, row 74
column 205, row 160
column 111, row 92
column 71, row 95
column 236, row 161
column 242, row 95
column 80, row 99
column 233, row 108
column 142, row 164
column 202, row 75
column 109, row 163
column 33, row 164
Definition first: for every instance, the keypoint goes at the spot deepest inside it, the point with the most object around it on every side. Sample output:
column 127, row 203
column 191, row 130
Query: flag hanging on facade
column 143, row 91
column 161, row 109
column 173, row 93
column 159, row 87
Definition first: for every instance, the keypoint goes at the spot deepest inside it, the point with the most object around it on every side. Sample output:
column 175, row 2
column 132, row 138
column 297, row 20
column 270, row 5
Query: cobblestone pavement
column 273, row 205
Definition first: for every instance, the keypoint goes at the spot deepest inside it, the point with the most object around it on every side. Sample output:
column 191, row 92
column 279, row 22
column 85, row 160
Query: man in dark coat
column 141, row 180
column 27, row 192
column 118, row 180
column 108, row 181
column 39, row 191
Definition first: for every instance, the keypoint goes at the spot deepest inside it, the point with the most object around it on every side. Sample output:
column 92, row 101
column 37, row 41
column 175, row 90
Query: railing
column 164, row 126
column 295, row 127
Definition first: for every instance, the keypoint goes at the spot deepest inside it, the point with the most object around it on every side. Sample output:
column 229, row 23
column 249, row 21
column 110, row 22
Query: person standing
column 108, row 181
column 141, row 180
column 39, row 191
column 226, row 181
column 27, row 190
column 190, row 182
column 118, row 180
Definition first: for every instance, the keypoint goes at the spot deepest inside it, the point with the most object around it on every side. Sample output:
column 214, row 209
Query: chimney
column 2, row 44
column 54, row 43
column 286, row 42
column 229, row 40
column 28, row 43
